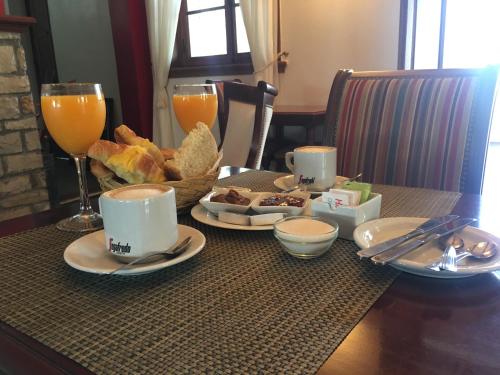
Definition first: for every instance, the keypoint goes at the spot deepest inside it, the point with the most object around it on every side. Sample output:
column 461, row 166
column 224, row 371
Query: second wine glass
column 195, row 103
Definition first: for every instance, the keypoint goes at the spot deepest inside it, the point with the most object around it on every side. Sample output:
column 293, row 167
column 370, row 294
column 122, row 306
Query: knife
column 441, row 231
column 424, row 228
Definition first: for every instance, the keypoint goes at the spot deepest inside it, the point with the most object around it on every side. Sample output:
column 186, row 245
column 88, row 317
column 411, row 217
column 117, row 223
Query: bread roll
column 196, row 156
column 125, row 135
column 132, row 163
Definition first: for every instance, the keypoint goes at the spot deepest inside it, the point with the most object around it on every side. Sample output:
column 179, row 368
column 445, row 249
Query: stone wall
column 23, row 186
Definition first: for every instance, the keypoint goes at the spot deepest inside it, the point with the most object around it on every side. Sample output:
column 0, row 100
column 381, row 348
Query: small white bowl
column 216, row 207
column 349, row 218
column 305, row 236
column 288, row 210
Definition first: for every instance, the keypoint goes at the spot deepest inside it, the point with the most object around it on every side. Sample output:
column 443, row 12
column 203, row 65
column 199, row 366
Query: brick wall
column 23, row 186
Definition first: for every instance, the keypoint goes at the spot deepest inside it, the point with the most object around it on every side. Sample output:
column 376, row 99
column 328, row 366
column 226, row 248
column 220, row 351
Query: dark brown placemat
column 240, row 306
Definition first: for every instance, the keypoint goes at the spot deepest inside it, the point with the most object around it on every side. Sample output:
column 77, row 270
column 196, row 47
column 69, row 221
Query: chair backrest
column 422, row 128
column 244, row 121
column 219, row 87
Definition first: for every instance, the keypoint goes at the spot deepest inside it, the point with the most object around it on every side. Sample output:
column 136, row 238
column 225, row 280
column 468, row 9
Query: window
column 449, row 34
column 211, row 39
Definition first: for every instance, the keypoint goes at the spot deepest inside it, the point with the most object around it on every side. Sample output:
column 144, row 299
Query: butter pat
column 339, row 197
column 362, row 187
column 232, row 218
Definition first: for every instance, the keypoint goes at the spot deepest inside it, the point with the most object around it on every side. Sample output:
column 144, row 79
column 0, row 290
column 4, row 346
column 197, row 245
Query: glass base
column 81, row 223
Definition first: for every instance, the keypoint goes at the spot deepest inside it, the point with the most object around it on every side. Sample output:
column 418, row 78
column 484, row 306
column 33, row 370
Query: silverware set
column 440, row 228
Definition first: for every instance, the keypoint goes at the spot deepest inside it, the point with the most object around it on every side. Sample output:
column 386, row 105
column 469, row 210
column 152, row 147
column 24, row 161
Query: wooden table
column 419, row 326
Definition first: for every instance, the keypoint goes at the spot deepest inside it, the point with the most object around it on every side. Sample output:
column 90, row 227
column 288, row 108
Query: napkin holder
column 349, row 218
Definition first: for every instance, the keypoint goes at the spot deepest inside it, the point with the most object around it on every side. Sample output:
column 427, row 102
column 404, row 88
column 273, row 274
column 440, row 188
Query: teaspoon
column 481, row 250
column 452, row 240
column 169, row 254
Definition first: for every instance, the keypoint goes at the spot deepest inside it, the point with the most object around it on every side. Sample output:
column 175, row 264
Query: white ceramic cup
column 139, row 219
column 314, row 167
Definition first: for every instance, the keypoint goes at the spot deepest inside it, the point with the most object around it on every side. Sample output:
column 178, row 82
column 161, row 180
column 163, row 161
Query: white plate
column 286, row 183
column 89, row 254
column 376, row 231
column 201, row 214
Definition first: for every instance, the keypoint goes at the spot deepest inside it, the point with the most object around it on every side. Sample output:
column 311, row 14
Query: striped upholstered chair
column 422, row 128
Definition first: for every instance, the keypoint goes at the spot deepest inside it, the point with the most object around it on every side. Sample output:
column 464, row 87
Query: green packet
column 363, row 187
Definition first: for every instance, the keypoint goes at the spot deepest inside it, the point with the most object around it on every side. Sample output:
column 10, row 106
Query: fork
column 449, row 259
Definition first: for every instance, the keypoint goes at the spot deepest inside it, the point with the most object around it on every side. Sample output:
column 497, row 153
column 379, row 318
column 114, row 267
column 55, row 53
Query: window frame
column 407, row 31
column 183, row 65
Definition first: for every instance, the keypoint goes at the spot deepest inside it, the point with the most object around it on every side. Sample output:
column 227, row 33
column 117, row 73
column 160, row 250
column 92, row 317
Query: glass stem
column 85, row 207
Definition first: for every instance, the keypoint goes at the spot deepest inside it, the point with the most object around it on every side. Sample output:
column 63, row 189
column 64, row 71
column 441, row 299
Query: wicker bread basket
column 187, row 192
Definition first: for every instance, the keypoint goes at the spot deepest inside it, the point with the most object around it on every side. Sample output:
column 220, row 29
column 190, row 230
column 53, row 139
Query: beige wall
column 323, row 36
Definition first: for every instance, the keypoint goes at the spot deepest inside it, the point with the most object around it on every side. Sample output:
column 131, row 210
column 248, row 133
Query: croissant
column 132, row 163
column 99, row 170
column 125, row 135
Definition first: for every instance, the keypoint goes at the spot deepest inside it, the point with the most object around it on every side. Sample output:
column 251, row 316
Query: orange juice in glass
column 193, row 103
column 85, row 113
column 74, row 114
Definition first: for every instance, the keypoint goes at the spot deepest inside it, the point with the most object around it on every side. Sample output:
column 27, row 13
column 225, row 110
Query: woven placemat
column 240, row 306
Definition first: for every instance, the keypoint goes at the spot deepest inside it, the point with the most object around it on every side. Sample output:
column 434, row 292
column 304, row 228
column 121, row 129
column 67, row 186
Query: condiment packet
column 363, row 187
column 340, row 197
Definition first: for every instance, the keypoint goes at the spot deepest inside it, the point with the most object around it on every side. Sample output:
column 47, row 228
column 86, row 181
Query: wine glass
column 193, row 103
column 74, row 114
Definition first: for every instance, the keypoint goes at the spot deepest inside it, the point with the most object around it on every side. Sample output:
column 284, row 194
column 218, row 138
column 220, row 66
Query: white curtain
column 162, row 25
column 259, row 17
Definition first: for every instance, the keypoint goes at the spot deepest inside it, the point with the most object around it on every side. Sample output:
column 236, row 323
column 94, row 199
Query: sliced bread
column 195, row 157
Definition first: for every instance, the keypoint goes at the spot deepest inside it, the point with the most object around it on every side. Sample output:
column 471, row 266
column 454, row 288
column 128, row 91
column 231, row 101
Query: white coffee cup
column 139, row 219
column 314, row 167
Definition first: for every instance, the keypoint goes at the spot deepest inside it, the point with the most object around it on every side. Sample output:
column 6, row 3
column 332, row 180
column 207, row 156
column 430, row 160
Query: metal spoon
column 169, row 254
column 482, row 250
column 358, row 176
column 453, row 240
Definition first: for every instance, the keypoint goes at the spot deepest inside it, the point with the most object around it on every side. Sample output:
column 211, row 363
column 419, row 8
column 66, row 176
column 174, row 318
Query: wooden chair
column 244, row 118
column 422, row 128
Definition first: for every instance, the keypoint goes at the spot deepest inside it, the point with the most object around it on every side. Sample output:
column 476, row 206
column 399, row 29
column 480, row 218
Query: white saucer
column 376, row 231
column 89, row 254
column 201, row 214
column 287, row 182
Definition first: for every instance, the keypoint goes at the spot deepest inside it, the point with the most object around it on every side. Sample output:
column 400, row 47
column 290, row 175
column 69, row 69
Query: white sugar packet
column 340, row 197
